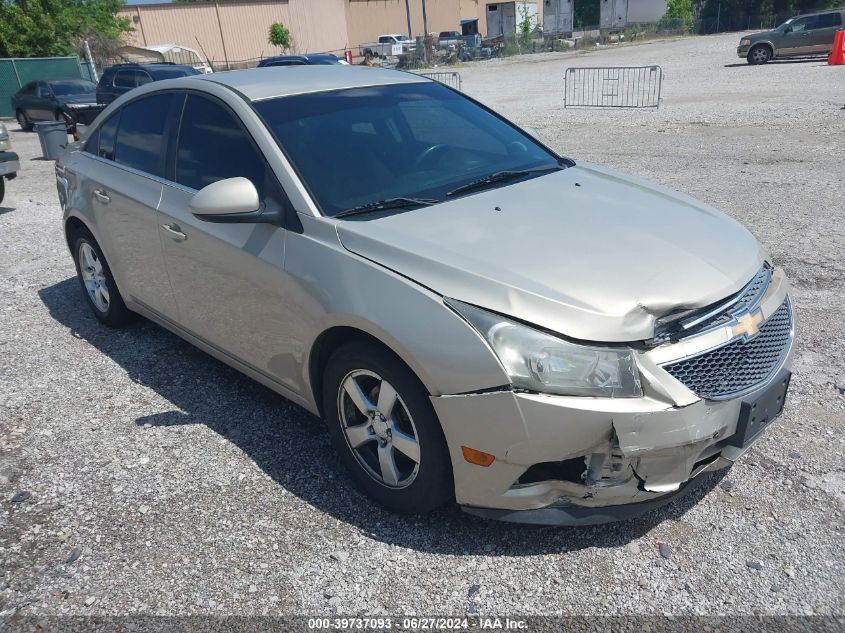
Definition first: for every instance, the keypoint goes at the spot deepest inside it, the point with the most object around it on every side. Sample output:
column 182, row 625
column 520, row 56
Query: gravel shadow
column 292, row 446
column 777, row 62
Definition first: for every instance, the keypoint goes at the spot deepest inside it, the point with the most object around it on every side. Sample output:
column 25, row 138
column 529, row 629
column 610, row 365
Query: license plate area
column 758, row 412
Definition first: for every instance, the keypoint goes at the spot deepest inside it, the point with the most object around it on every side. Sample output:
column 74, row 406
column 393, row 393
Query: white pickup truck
column 391, row 44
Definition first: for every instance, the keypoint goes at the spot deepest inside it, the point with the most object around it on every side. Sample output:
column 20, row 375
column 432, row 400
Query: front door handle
column 174, row 232
column 101, row 196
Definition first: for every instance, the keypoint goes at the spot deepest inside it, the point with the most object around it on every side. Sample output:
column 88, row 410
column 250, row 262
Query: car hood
column 585, row 252
column 756, row 37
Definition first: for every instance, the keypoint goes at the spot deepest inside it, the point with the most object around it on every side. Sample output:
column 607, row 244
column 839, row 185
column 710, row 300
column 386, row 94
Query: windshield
column 357, row 146
column 71, row 87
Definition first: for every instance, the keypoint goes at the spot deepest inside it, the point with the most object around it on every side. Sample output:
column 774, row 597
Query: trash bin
column 53, row 137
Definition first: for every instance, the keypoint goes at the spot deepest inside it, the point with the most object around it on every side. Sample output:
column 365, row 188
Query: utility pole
column 91, row 62
column 719, row 16
column 408, row 12
column 425, row 20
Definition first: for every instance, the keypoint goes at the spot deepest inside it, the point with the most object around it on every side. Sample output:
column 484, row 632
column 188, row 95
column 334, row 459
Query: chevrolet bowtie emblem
column 748, row 325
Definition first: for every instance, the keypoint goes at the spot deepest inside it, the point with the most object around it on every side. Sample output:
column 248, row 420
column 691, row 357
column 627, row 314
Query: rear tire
column 97, row 282
column 385, row 430
column 23, row 121
column 759, row 54
column 2, row 189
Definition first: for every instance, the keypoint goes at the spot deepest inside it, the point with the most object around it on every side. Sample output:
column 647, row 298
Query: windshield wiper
column 388, row 203
column 502, row 176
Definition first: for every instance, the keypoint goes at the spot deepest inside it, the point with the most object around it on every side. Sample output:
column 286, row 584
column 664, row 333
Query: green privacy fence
column 14, row 73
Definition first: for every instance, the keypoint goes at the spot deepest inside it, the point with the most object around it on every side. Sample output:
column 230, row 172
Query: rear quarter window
column 828, row 20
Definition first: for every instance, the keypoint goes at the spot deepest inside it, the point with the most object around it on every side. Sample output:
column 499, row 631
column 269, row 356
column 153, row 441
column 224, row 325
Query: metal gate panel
column 619, row 87
column 451, row 79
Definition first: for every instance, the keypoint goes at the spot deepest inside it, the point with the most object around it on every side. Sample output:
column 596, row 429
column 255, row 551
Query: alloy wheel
column 760, row 55
column 378, row 429
column 94, row 277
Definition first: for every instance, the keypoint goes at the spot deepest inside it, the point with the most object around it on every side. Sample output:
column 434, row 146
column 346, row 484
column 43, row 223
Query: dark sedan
column 316, row 59
column 52, row 100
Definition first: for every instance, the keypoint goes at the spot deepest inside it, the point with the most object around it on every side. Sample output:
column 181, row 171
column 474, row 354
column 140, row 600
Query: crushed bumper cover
column 572, row 515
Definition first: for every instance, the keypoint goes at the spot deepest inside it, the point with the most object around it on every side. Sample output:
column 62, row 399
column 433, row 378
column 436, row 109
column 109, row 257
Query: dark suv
column 121, row 78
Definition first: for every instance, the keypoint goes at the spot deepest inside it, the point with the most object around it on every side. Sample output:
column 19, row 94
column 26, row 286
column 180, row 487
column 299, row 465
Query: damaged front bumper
column 574, row 460
column 565, row 461
column 9, row 164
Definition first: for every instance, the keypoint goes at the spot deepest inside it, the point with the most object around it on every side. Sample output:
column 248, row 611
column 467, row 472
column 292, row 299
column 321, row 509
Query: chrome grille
column 745, row 298
column 738, row 367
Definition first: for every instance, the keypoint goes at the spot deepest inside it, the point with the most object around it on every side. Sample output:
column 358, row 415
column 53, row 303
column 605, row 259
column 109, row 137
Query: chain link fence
column 15, row 73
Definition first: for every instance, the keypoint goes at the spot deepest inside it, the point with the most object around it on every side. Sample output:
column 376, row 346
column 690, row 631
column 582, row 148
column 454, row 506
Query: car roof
column 257, row 84
column 818, row 12
column 147, row 65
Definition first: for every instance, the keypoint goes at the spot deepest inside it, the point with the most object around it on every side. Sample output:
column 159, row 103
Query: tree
column 279, row 35
column 681, row 11
column 49, row 28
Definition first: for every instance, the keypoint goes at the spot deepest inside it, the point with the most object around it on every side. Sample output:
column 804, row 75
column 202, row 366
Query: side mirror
column 233, row 200
column 787, row 29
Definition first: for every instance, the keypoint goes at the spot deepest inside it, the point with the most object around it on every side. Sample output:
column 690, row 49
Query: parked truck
column 390, row 44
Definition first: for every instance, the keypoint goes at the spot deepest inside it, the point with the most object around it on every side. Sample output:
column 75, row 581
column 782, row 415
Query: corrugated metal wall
column 237, row 32
column 367, row 19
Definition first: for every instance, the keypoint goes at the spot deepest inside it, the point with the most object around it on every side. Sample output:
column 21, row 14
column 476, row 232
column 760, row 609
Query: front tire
column 385, row 430
column 98, row 285
column 759, row 54
column 23, row 121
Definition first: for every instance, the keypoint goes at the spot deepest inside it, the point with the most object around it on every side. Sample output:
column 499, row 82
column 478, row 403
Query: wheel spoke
column 86, row 258
column 386, row 398
column 406, row 444
column 104, row 294
column 353, row 389
column 359, row 434
column 387, row 464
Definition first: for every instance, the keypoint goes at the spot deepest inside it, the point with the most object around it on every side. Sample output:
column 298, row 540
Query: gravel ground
column 163, row 482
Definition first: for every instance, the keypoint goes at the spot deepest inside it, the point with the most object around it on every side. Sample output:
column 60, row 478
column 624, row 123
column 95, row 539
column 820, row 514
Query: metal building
column 558, row 16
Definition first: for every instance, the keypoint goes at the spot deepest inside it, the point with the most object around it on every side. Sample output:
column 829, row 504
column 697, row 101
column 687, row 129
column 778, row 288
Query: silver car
column 475, row 317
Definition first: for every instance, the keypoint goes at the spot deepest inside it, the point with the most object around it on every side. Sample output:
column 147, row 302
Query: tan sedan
column 476, row 317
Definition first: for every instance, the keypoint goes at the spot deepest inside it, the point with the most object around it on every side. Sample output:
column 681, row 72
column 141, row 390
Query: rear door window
column 124, row 79
column 214, row 146
column 140, row 136
column 828, row 20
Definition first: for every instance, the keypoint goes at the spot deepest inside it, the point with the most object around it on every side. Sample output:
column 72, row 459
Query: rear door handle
column 101, row 196
column 174, row 232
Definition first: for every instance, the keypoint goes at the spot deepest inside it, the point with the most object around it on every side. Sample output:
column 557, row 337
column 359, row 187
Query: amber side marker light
column 480, row 458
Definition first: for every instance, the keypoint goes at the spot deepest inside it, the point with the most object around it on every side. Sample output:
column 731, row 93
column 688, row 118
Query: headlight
column 537, row 361
column 745, row 42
